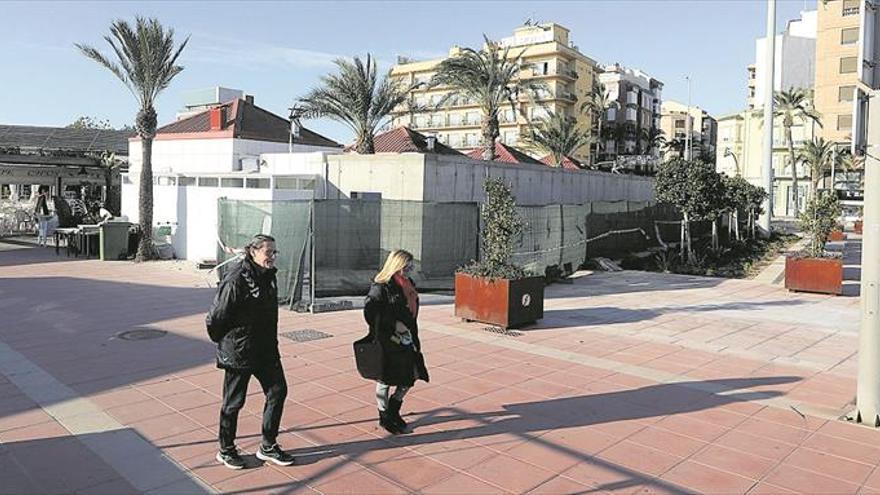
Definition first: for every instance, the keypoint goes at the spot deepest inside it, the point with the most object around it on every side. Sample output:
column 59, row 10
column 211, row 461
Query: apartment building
column 837, row 51
column 794, row 64
column 741, row 148
column 628, row 125
column 674, row 124
column 567, row 73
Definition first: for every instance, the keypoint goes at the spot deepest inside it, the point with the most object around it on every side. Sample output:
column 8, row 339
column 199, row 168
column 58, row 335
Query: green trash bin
column 114, row 241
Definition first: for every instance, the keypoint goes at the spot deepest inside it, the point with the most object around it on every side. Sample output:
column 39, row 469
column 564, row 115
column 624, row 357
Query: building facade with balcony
column 674, row 124
column 794, row 63
column 568, row 76
column 740, row 152
column 628, row 125
column 837, row 52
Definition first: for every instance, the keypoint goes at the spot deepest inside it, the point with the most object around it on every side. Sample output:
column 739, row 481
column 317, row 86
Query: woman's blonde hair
column 394, row 263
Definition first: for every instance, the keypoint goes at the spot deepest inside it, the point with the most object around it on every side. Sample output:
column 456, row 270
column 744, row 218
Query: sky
column 277, row 51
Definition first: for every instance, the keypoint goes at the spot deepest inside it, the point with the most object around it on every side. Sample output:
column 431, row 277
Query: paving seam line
column 653, row 375
column 134, row 458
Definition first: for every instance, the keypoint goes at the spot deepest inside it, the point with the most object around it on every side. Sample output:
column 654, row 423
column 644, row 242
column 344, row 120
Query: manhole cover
column 503, row 331
column 305, row 335
column 141, row 334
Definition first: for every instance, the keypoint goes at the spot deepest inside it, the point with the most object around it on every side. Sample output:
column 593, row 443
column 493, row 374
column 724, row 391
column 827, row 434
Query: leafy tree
column 146, row 62
column 736, row 199
column 87, row 122
column 817, row 155
column 597, row 105
column 500, row 226
column 491, row 77
column 756, row 196
column 559, row 136
column 695, row 189
column 791, row 105
column 356, row 97
column 818, row 220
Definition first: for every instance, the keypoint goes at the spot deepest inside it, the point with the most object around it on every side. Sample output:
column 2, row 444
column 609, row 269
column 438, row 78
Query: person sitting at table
column 41, row 212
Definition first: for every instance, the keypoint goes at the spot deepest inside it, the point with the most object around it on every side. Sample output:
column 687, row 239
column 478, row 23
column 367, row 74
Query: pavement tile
column 830, row 465
column 559, row 485
column 264, row 479
column 705, row 479
column 801, row 481
column 667, row 441
column 413, row 471
column 846, row 449
column 639, row 458
column 462, row 483
column 360, row 482
column 774, row 431
column 734, row 461
column 168, row 425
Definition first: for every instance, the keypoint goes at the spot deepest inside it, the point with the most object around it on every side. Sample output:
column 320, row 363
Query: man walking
column 243, row 321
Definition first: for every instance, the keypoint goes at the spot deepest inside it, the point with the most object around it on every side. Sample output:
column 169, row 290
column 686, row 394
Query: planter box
column 836, row 236
column 823, row 275
column 857, row 227
column 502, row 302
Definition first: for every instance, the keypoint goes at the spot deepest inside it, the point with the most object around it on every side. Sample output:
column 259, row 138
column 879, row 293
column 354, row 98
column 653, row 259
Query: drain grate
column 305, row 335
column 503, row 331
column 141, row 334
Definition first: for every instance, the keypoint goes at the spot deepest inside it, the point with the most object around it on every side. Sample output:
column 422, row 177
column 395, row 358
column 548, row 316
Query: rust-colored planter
column 823, row 275
column 502, row 302
column 836, row 235
column 857, row 227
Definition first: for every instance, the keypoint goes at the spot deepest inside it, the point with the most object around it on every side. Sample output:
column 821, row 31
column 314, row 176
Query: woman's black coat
column 243, row 320
column 402, row 364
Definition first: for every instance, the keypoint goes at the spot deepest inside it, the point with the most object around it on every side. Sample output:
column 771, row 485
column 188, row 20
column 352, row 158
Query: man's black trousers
column 235, row 385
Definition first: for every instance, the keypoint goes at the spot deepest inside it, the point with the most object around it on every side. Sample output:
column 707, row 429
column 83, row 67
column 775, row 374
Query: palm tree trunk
column 715, row 234
column 794, row 180
column 489, row 130
column 146, row 250
column 365, row 144
column 736, row 223
column 681, row 246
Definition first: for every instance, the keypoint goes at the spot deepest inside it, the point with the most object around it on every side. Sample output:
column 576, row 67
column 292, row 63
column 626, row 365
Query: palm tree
column 794, row 104
column 597, row 104
column 491, row 78
column 676, row 145
column 656, row 139
column 356, row 97
column 817, row 155
column 559, row 136
column 146, row 63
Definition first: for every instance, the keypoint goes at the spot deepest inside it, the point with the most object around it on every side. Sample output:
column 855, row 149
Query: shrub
column 818, row 220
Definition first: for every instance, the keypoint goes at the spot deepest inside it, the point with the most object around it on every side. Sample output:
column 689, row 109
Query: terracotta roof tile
column 247, row 121
column 505, row 154
column 568, row 163
column 402, row 139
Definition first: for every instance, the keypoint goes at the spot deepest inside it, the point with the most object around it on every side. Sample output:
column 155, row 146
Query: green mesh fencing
column 350, row 239
column 353, row 238
column 287, row 221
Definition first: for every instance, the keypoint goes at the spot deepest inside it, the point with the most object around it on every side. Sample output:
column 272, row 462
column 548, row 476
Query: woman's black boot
column 387, row 421
column 394, row 412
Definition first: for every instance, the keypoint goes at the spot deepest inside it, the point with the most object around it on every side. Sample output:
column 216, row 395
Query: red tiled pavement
column 538, row 413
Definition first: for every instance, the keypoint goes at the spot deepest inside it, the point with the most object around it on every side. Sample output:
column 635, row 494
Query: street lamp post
column 767, row 165
column 687, row 123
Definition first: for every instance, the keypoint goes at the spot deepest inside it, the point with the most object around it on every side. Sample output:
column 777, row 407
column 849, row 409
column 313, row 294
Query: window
column 286, row 183
column 845, row 93
column 164, row 180
column 455, row 119
column 126, row 179
column 612, row 113
column 844, row 122
column 848, row 65
column 545, row 68
column 631, row 114
column 231, row 182
column 208, row 181
column 257, row 183
column 368, row 196
column 472, row 118
column 850, row 7
column 679, row 124
column 186, row 181
column 849, row 36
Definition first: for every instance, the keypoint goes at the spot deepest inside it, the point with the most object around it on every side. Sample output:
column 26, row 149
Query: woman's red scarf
column 409, row 291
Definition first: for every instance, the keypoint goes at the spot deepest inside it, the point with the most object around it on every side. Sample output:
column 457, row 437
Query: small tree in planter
column 815, row 270
column 494, row 290
column 695, row 189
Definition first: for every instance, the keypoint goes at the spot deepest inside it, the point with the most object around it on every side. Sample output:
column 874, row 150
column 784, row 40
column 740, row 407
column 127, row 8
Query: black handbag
column 368, row 356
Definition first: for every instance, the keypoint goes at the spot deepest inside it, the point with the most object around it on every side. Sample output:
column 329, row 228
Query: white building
column 626, row 127
column 217, row 153
column 794, row 60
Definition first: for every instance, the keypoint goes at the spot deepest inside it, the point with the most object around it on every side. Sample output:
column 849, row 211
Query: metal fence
column 334, row 247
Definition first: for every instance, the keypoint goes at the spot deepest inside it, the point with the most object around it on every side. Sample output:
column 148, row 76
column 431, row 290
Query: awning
column 49, row 174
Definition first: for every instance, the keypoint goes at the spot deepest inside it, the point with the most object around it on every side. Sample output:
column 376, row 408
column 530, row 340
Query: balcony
column 850, row 11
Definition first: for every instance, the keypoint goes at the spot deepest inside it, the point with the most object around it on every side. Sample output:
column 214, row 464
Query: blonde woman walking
column 391, row 311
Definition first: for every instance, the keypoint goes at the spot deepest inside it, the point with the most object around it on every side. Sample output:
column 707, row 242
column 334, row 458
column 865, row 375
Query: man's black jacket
column 243, row 319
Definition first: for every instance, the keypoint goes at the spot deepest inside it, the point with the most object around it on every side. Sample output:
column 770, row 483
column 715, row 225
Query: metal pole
column 687, row 124
column 769, row 69
column 868, row 388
